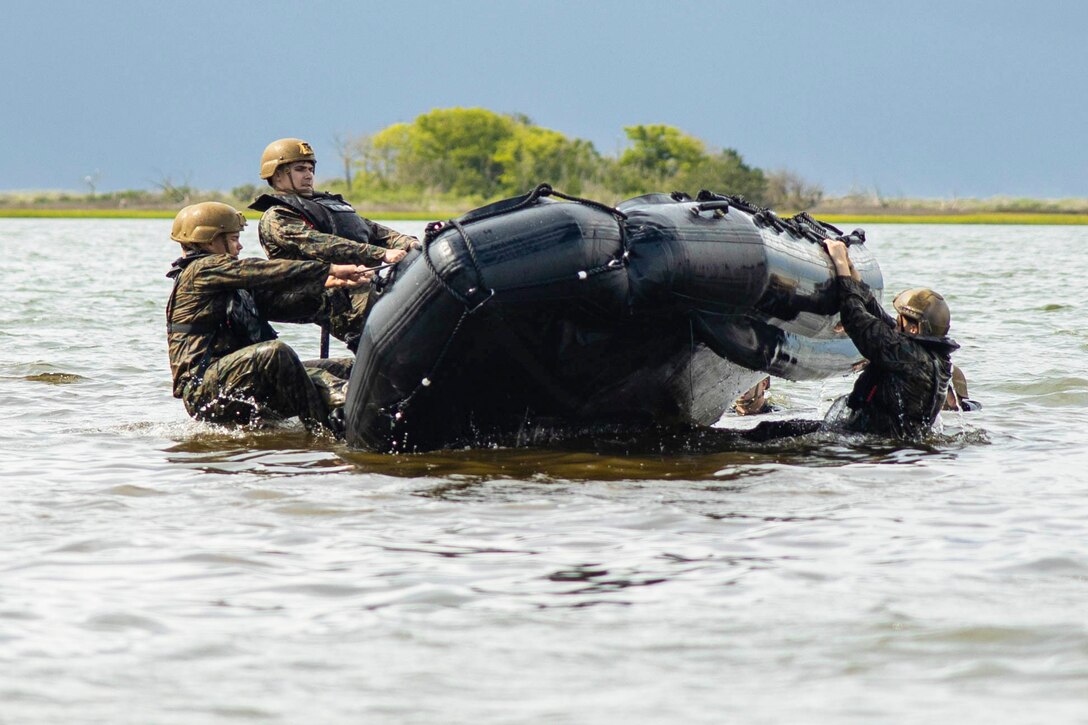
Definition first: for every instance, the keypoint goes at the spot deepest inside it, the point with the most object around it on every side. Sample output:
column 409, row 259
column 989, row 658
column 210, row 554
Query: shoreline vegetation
column 451, row 160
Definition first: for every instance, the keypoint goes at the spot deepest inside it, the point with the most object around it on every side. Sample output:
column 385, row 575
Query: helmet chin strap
column 291, row 181
column 294, row 189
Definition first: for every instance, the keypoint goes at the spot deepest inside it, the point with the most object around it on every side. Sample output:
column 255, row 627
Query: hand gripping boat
column 538, row 314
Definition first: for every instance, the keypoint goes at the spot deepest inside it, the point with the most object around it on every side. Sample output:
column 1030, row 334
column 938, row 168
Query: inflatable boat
column 551, row 312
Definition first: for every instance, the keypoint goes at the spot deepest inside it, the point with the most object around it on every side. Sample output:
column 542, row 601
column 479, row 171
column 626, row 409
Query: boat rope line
column 398, row 408
column 427, row 240
column 506, row 207
column 511, row 205
column 547, row 190
column 482, row 284
column 425, row 381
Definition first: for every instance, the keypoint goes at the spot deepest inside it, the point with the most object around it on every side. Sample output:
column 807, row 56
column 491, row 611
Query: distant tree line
column 454, row 157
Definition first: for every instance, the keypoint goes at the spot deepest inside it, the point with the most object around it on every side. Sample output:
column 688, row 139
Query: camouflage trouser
column 265, row 381
column 330, row 377
column 347, row 312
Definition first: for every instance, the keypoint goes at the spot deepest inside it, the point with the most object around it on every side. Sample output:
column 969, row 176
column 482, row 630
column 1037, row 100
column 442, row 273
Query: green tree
column 387, row 159
column 533, row 155
column 448, row 151
column 463, row 156
column 664, row 158
column 456, row 148
column 657, row 153
column 725, row 173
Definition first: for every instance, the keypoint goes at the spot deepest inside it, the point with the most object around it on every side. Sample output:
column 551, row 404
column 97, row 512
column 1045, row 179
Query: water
column 157, row 570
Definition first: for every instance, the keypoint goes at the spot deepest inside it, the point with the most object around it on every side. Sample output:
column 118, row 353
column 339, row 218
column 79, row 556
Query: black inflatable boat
column 536, row 313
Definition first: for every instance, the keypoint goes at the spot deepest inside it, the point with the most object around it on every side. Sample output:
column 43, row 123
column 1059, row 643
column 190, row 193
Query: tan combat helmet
column 284, row 151
column 202, row 223
column 925, row 308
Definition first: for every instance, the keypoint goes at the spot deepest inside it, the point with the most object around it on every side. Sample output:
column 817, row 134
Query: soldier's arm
column 286, row 235
column 873, row 307
column 876, row 339
column 224, row 272
column 844, row 270
column 391, row 238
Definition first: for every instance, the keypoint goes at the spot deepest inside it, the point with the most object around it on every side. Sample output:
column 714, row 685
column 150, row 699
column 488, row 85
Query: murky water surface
column 153, row 569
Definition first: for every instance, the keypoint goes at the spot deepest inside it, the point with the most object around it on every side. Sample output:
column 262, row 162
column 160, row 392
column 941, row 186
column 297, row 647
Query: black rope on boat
column 471, row 254
column 425, row 381
column 438, row 278
column 620, row 216
column 528, row 200
column 433, row 229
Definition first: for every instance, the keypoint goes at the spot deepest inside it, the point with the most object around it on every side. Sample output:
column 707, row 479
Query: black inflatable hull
column 536, row 313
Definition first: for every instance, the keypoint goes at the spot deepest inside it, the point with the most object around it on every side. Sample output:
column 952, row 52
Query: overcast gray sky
column 933, row 99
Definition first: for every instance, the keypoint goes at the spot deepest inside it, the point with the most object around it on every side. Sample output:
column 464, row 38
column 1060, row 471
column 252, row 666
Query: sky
column 958, row 98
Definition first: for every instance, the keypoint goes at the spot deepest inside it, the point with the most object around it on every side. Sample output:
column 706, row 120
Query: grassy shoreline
column 833, row 218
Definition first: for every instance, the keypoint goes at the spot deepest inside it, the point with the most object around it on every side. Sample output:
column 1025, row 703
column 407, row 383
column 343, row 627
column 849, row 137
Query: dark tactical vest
column 328, row 213
column 242, row 320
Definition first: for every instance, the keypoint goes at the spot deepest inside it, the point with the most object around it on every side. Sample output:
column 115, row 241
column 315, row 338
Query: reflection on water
column 156, row 569
column 654, row 454
column 698, row 455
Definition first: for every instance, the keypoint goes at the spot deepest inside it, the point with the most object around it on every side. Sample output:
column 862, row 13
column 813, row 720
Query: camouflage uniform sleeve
column 225, row 272
column 391, row 238
column 286, row 235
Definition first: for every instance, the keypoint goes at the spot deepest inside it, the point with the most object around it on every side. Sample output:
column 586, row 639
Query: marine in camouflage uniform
column 227, row 365
column 302, row 224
